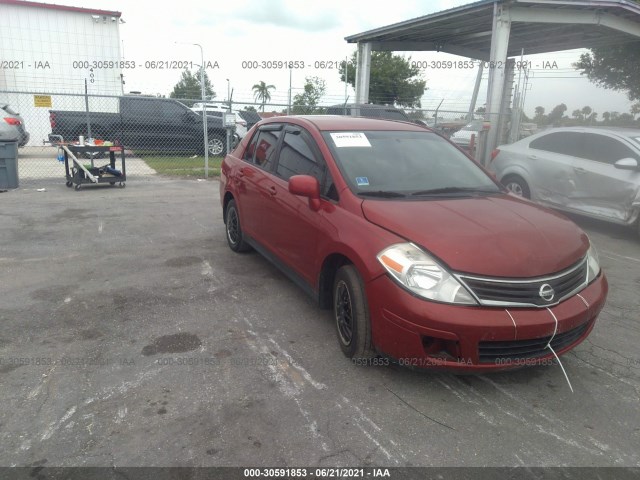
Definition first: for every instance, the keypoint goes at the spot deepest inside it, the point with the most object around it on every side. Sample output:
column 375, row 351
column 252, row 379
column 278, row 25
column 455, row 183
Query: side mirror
column 306, row 186
column 627, row 164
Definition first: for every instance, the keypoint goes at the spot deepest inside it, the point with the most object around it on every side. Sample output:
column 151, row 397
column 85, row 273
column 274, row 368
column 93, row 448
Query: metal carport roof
column 497, row 29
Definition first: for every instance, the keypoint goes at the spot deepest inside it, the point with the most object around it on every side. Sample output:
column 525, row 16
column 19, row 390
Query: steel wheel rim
column 516, row 188
column 344, row 313
column 233, row 227
column 215, row 146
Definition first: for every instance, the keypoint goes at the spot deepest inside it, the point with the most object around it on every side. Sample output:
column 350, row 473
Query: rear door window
column 565, row 143
column 262, row 147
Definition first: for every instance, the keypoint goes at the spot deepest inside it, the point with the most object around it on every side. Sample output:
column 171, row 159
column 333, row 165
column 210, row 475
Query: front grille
column 512, row 351
column 527, row 292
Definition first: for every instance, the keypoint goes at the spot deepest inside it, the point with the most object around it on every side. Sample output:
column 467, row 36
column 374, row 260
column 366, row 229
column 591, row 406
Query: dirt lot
column 131, row 335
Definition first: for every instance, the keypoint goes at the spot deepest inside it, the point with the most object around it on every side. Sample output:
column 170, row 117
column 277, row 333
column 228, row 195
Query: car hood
column 500, row 236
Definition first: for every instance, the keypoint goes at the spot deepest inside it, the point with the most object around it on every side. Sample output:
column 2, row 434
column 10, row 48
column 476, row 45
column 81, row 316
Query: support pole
column 363, row 72
column 86, row 107
column 497, row 62
column 476, row 89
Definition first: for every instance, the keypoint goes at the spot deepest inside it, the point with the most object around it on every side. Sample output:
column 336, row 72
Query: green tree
column 615, row 67
column 556, row 114
column 393, row 79
column 606, row 116
column 251, row 108
column 577, row 114
column 261, row 93
column 307, row 101
column 189, row 87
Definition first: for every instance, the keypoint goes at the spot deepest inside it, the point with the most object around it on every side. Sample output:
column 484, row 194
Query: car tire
column 217, row 145
column 517, row 185
column 351, row 314
column 235, row 237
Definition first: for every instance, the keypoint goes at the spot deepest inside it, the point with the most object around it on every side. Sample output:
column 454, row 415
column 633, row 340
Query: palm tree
column 261, row 93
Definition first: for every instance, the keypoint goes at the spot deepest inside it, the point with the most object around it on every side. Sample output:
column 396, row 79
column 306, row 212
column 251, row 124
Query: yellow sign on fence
column 42, row 101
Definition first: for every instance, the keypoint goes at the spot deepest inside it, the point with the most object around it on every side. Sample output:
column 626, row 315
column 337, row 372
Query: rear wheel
column 517, row 185
column 235, row 238
column 351, row 314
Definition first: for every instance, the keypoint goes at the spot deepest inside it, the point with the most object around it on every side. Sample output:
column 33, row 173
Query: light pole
column 229, row 110
column 204, row 109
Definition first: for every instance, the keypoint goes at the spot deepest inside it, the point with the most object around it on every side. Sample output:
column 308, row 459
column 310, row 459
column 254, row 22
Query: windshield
column 391, row 164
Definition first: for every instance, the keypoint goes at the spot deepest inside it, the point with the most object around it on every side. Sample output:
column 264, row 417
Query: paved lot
column 146, row 341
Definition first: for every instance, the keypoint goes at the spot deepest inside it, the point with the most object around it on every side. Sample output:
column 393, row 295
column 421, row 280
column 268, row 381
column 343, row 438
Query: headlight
column 421, row 274
column 593, row 264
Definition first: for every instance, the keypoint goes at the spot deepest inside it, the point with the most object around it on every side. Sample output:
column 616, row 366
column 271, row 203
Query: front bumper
column 426, row 334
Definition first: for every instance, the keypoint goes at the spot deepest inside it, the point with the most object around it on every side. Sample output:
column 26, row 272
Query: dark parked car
column 419, row 253
column 589, row 171
column 11, row 120
column 147, row 123
column 368, row 110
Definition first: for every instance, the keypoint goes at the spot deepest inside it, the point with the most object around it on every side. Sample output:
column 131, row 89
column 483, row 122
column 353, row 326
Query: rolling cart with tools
column 79, row 174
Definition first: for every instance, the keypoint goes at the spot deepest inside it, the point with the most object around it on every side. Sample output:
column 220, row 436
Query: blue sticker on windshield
column 362, row 181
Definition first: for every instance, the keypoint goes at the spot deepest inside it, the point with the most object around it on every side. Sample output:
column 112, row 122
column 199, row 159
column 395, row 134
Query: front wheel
column 351, row 314
column 235, row 238
column 517, row 185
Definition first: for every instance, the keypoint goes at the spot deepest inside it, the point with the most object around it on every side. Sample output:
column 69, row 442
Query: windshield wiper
column 446, row 190
column 382, row 194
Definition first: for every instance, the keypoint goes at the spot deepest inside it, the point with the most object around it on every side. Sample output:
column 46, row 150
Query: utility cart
column 79, row 174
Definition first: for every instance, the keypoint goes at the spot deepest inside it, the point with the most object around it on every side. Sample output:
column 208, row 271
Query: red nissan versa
column 420, row 254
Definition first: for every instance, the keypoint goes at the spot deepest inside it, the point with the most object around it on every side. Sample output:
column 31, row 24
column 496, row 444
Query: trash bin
column 8, row 165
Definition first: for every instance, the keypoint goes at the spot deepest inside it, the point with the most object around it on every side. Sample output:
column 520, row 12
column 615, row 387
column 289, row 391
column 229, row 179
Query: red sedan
column 421, row 255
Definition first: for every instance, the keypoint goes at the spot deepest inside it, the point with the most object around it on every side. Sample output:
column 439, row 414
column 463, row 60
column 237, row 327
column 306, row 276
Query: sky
column 282, row 30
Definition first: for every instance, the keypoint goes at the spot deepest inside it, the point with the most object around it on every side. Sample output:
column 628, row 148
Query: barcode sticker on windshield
column 350, row 139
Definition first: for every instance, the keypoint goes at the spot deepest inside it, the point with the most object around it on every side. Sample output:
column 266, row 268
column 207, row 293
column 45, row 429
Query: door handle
column 532, row 157
column 272, row 190
column 241, row 173
column 579, row 170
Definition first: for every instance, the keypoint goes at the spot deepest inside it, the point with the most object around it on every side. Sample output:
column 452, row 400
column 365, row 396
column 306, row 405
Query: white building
column 49, row 50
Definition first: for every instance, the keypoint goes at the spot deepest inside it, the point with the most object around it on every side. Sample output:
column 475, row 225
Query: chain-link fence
column 165, row 136
column 160, row 135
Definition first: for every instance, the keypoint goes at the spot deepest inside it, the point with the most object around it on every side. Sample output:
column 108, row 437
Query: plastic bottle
column 60, row 155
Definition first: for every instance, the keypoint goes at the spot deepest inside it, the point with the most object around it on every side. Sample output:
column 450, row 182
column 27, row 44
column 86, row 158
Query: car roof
column 629, row 132
column 364, row 105
column 340, row 122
